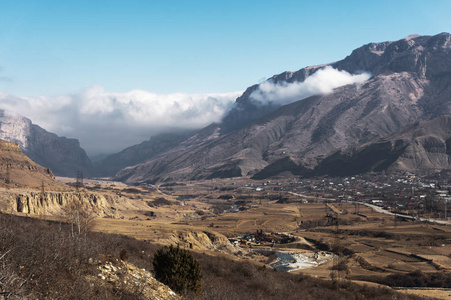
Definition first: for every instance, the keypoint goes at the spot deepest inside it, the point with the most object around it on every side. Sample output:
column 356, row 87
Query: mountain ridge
column 367, row 58
column 409, row 81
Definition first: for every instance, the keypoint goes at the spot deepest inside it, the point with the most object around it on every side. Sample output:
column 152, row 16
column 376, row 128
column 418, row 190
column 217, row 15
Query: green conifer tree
column 178, row 269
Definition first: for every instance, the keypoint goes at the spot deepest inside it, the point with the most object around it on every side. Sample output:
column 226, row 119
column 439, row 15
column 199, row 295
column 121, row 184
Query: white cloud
column 323, row 81
column 108, row 122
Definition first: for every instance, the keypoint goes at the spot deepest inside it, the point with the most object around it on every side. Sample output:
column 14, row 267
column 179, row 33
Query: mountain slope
column 424, row 146
column 17, row 170
column 409, row 83
column 63, row 156
column 138, row 153
column 406, row 55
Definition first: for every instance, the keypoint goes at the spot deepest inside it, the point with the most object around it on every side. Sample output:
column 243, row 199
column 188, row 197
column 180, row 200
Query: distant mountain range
column 410, row 82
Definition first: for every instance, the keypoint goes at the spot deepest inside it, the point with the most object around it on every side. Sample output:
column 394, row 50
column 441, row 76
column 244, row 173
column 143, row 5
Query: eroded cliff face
column 57, row 203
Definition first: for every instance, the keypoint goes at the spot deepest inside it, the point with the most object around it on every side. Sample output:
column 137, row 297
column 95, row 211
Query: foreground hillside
column 41, row 260
column 409, row 83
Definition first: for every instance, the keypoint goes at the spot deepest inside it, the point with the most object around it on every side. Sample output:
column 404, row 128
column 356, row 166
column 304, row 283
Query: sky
column 113, row 73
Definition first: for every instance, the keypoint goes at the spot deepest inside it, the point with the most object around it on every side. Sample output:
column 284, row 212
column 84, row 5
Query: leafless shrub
column 225, row 279
column 11, row 285
column 159, row 202
column 80, row 215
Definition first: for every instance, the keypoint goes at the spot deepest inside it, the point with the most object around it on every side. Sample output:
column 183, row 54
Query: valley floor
column 235, row 219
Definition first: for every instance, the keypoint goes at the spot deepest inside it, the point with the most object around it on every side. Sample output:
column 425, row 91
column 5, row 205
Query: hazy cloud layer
column 321, row 82
column 108, row 122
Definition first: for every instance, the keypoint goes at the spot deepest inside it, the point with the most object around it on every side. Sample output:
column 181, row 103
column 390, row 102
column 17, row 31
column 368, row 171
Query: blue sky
column 108, row 61
column 59, row 47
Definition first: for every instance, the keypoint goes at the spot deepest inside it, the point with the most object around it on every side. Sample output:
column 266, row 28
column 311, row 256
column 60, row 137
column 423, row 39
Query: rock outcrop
column 128, row 277
column 203, row 240
column 63, row 156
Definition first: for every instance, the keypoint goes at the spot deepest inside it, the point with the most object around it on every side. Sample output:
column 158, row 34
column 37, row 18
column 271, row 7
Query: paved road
column 383, row 211
column 306, row 196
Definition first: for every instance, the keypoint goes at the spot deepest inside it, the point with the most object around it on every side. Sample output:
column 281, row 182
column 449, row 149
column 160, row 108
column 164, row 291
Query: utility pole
column 8, row 175
column 79, row 181
column 395, row 220
column 336, row 259
column 446, row 201
column 43, row 197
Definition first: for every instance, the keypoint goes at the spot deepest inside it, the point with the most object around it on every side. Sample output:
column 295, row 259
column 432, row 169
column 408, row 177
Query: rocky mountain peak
column 413, row 53
column 426, row 56
column 412, row 36
column 14, row 128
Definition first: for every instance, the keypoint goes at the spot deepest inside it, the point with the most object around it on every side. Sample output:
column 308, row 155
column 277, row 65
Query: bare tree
column 80, row 213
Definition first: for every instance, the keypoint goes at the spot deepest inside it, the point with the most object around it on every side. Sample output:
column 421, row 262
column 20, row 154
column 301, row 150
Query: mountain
column 17, row 170
column 410, row 82
column 130, row 156
column 63, row 156
column 372, row 58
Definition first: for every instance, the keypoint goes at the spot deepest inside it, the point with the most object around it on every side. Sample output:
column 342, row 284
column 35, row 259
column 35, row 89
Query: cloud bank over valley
column 107, row 122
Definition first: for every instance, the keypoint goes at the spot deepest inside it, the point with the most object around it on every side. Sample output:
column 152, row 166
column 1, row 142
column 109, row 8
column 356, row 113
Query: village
column 404, row 194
